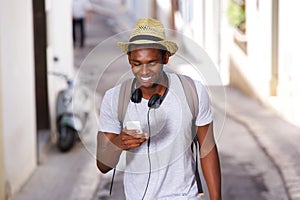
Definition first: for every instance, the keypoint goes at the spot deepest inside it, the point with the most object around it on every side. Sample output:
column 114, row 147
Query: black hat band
column 145, row 37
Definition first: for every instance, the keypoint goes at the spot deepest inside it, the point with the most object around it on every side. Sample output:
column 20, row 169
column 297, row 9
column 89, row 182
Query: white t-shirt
column 80, row 7
column 172, row 163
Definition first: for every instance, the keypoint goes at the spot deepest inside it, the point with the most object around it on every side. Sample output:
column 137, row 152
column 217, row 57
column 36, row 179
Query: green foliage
column 236, row 15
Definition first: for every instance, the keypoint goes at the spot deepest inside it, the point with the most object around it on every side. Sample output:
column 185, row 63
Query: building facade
column 268, row 68
column 19, row 69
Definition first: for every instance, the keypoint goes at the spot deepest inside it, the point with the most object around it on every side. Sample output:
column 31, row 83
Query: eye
column 136, row 64
column 152, row 64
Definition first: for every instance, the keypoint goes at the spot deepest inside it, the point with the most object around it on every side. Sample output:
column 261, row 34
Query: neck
column 157, row 88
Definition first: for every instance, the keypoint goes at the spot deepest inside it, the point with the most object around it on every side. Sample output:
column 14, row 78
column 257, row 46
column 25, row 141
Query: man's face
column 147, row 65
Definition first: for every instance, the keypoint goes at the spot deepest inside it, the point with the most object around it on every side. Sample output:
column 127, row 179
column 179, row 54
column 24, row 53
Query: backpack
column 192, row 99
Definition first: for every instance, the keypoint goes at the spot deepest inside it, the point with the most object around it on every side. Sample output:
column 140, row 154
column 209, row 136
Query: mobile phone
column 134, row 125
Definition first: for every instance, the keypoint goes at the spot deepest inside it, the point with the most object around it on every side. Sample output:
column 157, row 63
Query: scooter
column 69, row 121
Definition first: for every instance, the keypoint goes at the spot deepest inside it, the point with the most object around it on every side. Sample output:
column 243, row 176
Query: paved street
column 247, row 172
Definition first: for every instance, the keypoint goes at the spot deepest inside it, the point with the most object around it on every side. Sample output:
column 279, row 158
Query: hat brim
column 169, row 45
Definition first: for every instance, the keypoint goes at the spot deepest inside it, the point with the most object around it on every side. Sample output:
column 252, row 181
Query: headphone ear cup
column 154, row 101
column 136, row 96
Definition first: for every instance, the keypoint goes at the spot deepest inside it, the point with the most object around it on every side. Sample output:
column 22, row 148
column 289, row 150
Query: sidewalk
column 278, row 138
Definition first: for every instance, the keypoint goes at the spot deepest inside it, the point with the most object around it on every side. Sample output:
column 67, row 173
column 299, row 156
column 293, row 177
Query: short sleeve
column 88, row 5
column 204, row 116
column 108, row 117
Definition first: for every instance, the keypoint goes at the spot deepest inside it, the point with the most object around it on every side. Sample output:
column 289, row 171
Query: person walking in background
column 82, row 11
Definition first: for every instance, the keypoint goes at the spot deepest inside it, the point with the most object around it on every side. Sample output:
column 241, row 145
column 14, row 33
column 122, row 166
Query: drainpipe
column 204, row 24
column 2, row 174
column 274, row 44
column 154, row 9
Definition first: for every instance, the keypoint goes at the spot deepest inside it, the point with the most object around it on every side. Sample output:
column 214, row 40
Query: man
column 82, row 11
column 158, row 162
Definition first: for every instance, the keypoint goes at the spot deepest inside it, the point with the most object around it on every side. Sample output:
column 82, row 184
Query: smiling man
column 158, row 162
column 147, row 66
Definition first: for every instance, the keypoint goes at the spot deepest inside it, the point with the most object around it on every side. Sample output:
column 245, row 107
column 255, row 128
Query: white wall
column 199, row 21
column 164, row 12
column 18, row 91
column 255, row 69
column 17, row 80
column 259, row 37
column 60, row 45
column 212, row 29
column 289, row 62
column 2, row 172
column 139, row 8
column 257, row 66
column 61, row 35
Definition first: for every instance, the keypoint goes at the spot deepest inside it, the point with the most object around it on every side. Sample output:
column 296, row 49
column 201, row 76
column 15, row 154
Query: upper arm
column 204, row 116
column 108, row 117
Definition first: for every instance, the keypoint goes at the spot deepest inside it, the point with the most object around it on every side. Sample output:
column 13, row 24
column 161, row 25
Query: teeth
column 145, row 78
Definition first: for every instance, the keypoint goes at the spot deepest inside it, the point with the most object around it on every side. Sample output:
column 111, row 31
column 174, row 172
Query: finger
column 134, row 137
column 138, row 136
column 128, row 132
column 132, row 132
column 132, row 146
column 141, row 136
column 134, row 141
column 124, row 147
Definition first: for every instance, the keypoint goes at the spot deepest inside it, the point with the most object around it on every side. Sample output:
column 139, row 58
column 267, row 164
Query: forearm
column 210, row 160
column 110, row 147
column 88, row 16
column 108, row 154
column 211, row 170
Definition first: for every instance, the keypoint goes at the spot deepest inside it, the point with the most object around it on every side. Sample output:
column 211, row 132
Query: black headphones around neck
column 154, row 101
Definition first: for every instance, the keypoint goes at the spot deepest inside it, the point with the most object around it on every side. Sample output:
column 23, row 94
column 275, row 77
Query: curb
column 44, row 145
column 259, row 140
column 283, row 164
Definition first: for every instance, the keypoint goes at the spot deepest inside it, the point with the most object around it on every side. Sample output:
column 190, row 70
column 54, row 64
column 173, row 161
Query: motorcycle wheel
column 66, row 138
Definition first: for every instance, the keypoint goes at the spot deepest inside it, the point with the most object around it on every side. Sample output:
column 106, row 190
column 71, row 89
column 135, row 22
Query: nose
column 144, row 69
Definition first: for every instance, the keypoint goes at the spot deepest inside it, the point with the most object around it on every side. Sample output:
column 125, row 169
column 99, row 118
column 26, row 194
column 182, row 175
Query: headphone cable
column 148, row 152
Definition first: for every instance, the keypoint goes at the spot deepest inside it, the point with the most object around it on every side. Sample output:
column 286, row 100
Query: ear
column 128, row 56
column 166, row 58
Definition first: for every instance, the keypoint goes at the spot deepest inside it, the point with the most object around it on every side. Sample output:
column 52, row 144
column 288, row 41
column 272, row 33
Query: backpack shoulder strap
column 124, row 98
column 190, row 93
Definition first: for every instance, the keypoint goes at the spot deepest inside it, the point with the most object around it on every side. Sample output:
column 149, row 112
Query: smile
column 145, row 78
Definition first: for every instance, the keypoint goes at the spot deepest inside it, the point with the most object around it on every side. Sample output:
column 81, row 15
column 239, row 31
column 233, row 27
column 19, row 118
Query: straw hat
column 149, row 31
